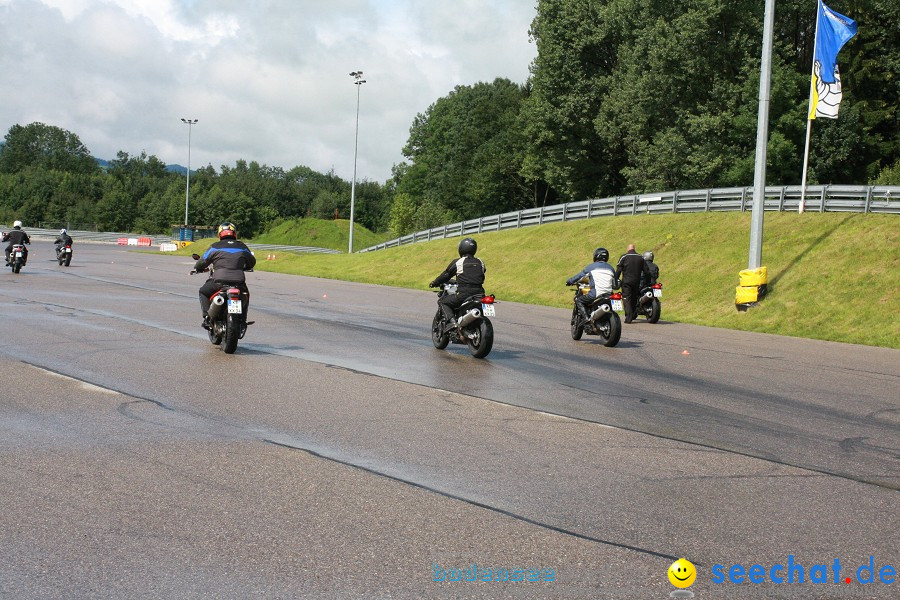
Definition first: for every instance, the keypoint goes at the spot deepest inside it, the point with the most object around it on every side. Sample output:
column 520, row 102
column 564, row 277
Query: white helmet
column 62, row 231
column 17, row 224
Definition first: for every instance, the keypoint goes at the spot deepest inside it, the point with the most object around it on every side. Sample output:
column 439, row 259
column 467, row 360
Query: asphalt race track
column 337, row 454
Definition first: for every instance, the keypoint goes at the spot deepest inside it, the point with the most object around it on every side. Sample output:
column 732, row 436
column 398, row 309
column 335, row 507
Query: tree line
column 624, row 96
column 47, row 176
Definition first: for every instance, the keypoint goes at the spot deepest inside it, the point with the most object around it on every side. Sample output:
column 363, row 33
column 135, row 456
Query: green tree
column 46, row 147
column 464, row 151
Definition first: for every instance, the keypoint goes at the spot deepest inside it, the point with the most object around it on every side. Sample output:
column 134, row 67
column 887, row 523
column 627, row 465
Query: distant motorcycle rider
column 227, row 260
column 630, row 268
column 602, row 279
column 62, row 240
column 16, row 236
column 652, row 268
column 469, row 272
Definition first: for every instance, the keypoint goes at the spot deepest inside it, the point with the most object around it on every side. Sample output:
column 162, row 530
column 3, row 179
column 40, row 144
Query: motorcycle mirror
column 195, row 256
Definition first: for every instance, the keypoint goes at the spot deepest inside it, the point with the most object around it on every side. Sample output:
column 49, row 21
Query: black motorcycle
column 473, row 327
column 18, row 256
column 602, row 319
column 64, row 254
column 649, row 303
column 227, row 318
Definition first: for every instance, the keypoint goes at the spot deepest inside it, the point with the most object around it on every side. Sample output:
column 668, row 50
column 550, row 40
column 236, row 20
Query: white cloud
column 268, row 80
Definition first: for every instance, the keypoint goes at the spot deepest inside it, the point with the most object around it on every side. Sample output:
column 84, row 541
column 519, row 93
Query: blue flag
column 832, row 32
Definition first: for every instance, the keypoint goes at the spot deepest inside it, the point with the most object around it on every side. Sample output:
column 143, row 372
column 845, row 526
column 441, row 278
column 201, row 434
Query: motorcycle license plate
column 488, row 310
column 657, row 293
column 234, row 307
column 68, row 251
column 616, row 304
column 18, row 255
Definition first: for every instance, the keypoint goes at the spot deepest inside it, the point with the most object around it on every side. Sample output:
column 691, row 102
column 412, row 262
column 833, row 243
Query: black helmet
column 648, row 256
column 601, row 255
column 468, row 246
column 227, row 230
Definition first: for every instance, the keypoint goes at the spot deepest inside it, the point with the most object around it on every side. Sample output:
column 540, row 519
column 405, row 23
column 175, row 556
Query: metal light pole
column 187, row 189
column 357, row 76
column 762, row 138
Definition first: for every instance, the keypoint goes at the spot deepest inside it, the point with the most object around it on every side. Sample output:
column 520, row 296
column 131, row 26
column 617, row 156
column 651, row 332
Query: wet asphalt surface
column 337, row 454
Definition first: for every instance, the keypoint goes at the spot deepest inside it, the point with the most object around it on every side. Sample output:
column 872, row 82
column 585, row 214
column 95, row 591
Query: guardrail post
column 781, row 200
column 743, row 199
column 868, row 199
column 616, row 206
column 541, row 216
column 590, row 207
column 674, row 202
column 480, row 222
column 708, row 198
column 518, row 219
column 822, row 208
column 565, row 208
column 634, row 202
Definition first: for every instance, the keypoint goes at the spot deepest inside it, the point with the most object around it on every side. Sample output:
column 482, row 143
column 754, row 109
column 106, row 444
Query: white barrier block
column 168, row 247
column 132, row 242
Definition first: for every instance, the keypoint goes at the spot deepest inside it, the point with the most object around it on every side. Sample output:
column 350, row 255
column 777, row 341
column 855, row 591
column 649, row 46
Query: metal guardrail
column 821, row 198
column 107, row 237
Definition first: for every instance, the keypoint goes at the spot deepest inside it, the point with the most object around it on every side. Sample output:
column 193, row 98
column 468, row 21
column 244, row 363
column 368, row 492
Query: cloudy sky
column 268, row 80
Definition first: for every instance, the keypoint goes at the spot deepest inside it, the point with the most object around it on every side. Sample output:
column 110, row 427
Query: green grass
column 831, row 275
column 320, row 233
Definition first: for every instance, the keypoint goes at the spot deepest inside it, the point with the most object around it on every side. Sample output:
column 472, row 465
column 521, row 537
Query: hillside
column 831, row 275
column 320, row 233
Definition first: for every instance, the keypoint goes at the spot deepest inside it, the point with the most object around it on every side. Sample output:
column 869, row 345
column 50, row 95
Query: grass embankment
column 831, row 276
column 320, row 234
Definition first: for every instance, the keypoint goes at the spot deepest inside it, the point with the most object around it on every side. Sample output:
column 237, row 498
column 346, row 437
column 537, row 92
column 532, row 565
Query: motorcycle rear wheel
column 577, row 325
column 17, row 266
column 438, row 337
column 68, row 259
column 481, row 343
column 613, row 330
column 232, row 333
column 655, row 311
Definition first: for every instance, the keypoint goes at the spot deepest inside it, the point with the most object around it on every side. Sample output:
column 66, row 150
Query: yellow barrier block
column 185, row 244
column 750, row 277
column 746, row 294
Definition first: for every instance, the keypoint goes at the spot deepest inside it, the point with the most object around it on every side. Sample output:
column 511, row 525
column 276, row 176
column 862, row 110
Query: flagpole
column 809, row 114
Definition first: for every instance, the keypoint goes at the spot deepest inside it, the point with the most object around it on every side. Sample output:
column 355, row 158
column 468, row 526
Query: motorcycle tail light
column 234, row 293
column 615, row 296
column 488, row 299
column 656, row 286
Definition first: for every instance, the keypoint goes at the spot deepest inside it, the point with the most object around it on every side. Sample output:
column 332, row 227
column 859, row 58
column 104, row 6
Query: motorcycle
column 473, row 327
column 18, row 256
column 603, row 320
column 227, row 321
column 64, row 254
column 649, row 304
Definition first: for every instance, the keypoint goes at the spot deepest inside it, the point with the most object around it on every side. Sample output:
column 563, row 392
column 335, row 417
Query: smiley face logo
column 682, row 573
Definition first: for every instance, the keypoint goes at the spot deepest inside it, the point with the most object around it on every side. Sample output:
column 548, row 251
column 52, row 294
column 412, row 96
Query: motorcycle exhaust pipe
column 646, row 298
column 470, row 317
column 601, row 311
column 215, row 308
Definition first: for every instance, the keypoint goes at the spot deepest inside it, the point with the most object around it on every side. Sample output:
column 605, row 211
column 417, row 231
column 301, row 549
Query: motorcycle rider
column 62, row 240
column 602, row 279
column 652, row 268
column 469, row 272
column 630, row 268
column 228, row 259
column 16, row 236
